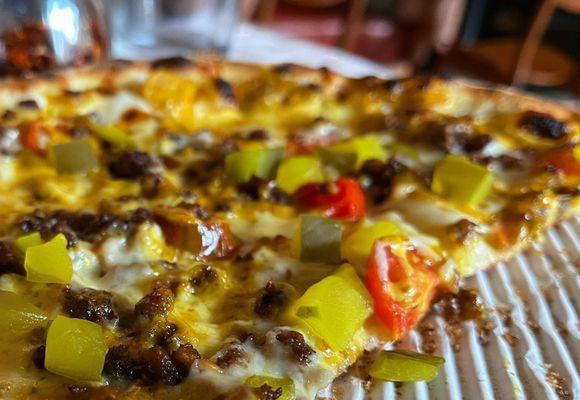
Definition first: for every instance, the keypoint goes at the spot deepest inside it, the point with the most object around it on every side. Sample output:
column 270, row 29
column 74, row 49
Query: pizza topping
column 341, row 199
column 297, row 347
column 90, row 304
column 158, row 366
column 271, row 388
column 295, row 172
column 270, row 300
column 36, row 138
column 171, row 62
column 241, row 166
column 400, row 283
column 49, row 262
column 335, row 308
column 317, row 240
column 357, row 247
column 319, row 135
column 86, row 226
column 405, row 366
column 363, row 148
column 75, row 348
column 10, row 259
column 543, row 125
column 131, row 165
column 230, row 355
column 74, row 157
column 205, row 276
column 377, row 178
column 208, row 240
column 9, row 141
column 266, row 392
column 157, row 303
column 458, row 179
column 564, row 159
column 113, row 135
column 18, row 315
column 184, row 357
column 123, row 362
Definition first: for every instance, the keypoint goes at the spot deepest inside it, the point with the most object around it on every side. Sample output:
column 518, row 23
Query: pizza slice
column 205, row 229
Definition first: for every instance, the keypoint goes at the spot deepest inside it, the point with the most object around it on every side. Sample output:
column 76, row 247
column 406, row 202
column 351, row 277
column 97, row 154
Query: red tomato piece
column 563, row 160
column 342, row 199
column 400, row 283
column 36, row 139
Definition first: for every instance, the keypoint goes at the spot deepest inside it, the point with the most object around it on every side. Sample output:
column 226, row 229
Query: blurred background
column 533, row 44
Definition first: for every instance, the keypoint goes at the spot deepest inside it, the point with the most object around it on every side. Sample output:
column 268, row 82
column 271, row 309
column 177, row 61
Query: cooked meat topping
column 230, row 355
column 82, row 225
column 157, row 303
column 251, row 189
column 89, row 304
column 10, row 259
column 38, row 355
column 123, row 362
column 131, row 165
column 202, row 172
column 297, row 347
column 543, row 125
column 158, row 366
column 464, row 305
column 204, row 276
column 377, row 177
column 29, row 104
column 9, row 141
column 198, row 211
column 266, row 392
column 459, row 232
column 225, row 90
column 270, row 300
column 184, row 357
column 258, row 135
column 171, row 62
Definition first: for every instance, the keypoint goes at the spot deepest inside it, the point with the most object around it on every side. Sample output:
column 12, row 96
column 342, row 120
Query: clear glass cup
column 144, row 28
column 38, row 35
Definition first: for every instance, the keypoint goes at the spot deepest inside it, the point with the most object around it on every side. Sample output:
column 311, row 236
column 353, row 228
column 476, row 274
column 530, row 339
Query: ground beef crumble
column 157, row 303
column 89, row 304
column 297, row 347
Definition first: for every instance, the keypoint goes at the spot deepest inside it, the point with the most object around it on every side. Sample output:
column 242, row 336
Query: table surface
column 250, row 43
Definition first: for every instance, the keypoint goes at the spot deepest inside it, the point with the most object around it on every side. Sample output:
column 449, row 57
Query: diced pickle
column 76, row 156
column 343, row 161
column 298, row 171
column 17, row 314
column 75, row 348
column 285, row 384
column 112, row 134
column 460, row 180
column 357, row 247
column 26, row 241
column 363, row 147
column 262, row 163
column 405, row 366
column 335, row 308
column 317, row 239
column 49, row 262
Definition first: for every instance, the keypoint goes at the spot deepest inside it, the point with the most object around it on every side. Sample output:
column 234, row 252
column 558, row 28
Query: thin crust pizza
column 200, row 229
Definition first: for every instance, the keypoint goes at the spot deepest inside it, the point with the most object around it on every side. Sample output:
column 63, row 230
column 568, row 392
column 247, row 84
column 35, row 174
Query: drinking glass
column 163, row 27
column 37, row 35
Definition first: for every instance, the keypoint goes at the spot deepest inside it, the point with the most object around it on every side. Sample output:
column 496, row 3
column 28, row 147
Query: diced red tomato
column 342, row 199
column 306, row 144
column 36, row 139
column 563, row 160
column 400, row 283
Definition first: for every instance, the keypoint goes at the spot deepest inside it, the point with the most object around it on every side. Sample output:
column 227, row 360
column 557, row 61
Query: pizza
column 204, row 229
